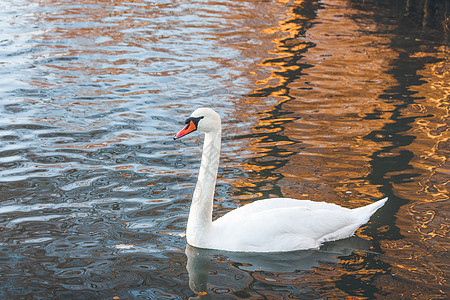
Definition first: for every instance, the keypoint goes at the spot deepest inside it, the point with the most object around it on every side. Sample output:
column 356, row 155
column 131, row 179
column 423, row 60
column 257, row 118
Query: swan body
column 271, row 225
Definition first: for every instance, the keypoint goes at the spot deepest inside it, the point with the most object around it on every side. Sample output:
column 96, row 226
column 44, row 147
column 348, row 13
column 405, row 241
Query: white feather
column 271, row 225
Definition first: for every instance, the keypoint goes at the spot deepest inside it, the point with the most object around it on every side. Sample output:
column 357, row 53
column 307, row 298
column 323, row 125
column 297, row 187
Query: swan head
column 202, row 119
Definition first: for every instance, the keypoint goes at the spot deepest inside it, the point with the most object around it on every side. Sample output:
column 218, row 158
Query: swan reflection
column 199, row 261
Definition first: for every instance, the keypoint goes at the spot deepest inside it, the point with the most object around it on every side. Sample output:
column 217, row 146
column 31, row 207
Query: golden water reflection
column 315, row 121
column 328, row 100
column 336, row 98
column 424, row 221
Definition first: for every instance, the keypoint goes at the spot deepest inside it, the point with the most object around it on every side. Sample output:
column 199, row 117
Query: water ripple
column 320, row 99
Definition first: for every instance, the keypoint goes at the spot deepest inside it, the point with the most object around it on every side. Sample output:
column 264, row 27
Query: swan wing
column 274, row 203
column 266, row 226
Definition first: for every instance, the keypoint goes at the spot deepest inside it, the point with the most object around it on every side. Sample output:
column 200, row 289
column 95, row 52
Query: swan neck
column 200, row 216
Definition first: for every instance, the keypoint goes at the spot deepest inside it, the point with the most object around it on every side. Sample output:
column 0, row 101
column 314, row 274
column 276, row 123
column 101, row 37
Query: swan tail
column 367, row 211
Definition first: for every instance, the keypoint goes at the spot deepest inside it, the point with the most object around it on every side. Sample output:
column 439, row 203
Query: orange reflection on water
column 314, row 85
column 425, row 220
column 331, row 83
column 327, row 84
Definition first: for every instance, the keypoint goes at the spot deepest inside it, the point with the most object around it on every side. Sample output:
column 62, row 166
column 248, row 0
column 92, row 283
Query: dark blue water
column 338, row 101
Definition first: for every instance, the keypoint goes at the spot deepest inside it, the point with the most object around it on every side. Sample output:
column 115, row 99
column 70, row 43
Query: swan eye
column 195, row 120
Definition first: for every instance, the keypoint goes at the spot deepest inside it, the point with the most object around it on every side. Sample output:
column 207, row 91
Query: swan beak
column 187, row 129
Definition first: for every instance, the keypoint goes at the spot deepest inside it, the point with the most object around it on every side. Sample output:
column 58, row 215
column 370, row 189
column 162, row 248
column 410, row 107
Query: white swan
column 271, row 225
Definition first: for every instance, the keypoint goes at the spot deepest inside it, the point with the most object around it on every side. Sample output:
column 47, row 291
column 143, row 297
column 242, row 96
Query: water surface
column 333, row 101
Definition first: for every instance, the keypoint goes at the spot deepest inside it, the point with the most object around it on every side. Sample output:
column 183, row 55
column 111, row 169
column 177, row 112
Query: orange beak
column 187, row 129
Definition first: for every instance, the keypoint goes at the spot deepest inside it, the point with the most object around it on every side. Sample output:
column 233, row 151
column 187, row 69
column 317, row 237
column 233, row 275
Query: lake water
column 340, row 101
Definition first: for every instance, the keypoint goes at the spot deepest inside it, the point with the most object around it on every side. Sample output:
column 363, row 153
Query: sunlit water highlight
column 326, row 100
